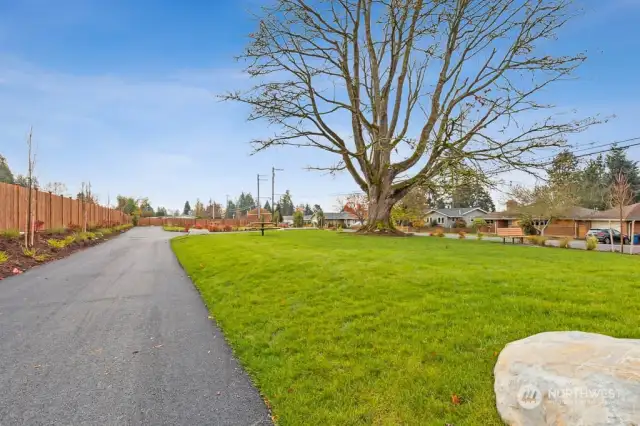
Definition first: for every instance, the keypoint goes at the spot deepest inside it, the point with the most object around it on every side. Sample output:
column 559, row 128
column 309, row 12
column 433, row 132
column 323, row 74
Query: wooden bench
column 513, row 233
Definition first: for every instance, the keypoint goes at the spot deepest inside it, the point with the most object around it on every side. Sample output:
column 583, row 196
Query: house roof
column 574, row 212
column 630, row 212
column 339, row 216
column 456, row 212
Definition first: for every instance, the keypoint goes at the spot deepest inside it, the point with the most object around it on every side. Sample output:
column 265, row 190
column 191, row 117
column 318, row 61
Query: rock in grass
column 569, row 378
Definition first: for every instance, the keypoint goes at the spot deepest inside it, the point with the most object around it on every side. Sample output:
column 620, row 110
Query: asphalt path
column 117, row 334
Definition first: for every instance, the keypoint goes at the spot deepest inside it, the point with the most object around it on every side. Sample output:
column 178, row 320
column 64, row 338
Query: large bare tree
column 421, row 85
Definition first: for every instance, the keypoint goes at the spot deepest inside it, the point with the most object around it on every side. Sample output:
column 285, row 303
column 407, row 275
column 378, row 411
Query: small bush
column 198, row 226
column 479, row 236
column 592, row 243
column 565, row 242
column 70, row 240
column 40, row 257
column 462, row 235
column 74, row 228
column 228, row 228
column 212, row 228
column 38, row 225
column 10, row 234
column 29, row 252
column 134, row 220
column 537, row 240
column 57, row 244
column 173, row 228
column 439, row 233
column 460, row 223
column 3, row 257
column 105, row 231
column 55, row 231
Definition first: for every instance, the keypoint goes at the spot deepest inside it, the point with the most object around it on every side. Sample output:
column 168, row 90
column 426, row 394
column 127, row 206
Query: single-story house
column 306, row 220
column 611, row 219
column 574, row 222
column 344, row 219
column 447, row 218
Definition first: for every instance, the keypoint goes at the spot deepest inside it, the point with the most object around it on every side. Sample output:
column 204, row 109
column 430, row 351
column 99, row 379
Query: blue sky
column 122, row 94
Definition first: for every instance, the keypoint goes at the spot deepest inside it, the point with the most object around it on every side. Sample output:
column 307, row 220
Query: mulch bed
column 19, row 262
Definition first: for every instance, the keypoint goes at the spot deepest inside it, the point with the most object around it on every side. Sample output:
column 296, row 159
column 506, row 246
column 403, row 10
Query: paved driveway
column 114, row 335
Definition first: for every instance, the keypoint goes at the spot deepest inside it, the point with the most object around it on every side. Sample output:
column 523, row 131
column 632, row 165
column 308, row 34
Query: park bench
column 513, row 233
column 262, row 226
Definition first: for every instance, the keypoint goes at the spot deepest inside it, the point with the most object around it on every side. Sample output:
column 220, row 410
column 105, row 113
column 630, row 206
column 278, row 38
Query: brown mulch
column 18, row 261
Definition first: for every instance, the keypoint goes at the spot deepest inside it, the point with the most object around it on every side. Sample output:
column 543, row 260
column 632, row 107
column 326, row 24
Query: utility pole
column 259, row 178
column 273, row 190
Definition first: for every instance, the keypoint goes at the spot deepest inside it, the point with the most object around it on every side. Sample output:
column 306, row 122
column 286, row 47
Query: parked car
column 604, row 236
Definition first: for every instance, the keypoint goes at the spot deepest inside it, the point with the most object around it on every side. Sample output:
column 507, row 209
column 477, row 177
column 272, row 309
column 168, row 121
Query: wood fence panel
column 54, row 210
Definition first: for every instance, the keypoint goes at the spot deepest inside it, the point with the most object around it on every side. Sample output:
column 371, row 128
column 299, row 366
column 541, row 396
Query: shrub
column 70, row 239
column 339, row 227
column 228, row 228
column 431, row 234
column 439, row 233
column 57, row 244
column 462, row 235
column 135, row 219
column 10, row 234
column 479, row 236
column 187, row 227
column 197, row 226
column 3, row 257
column 460, row 223
column 479, row 222
column 40, row 257
column 565, row 242
column 29, row 252
column 55, row 231
column 537, row 240
column 212, row 228
column 592, row 243
column 105, row 231
column 74, row 228
column 173, row 228
column 80, row 237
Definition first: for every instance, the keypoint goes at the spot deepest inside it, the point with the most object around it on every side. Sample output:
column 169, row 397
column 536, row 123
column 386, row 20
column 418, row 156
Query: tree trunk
column 379, row 213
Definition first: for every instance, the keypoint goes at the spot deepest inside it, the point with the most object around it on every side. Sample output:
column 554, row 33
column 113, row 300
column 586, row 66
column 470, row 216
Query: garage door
column 603, row 224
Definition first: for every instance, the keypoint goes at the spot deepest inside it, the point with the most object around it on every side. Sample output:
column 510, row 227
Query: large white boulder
column 569, row 378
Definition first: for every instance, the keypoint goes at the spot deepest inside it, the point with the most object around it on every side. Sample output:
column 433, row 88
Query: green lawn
column 340, row 329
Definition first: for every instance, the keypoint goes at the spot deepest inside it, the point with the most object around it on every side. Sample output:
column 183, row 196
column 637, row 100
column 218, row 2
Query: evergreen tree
column 593, row 185
column 286, row 204
column 5, row 172
column 267, row 206
column 231, row 210
column 617, row 162
column 471, row 194
column 317, row 208
column 565, row 170
column 307, row 210
column 187, row 208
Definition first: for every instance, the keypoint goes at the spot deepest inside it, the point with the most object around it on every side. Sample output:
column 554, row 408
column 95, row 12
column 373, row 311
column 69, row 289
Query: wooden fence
column 179, row 221
column 53, row 210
